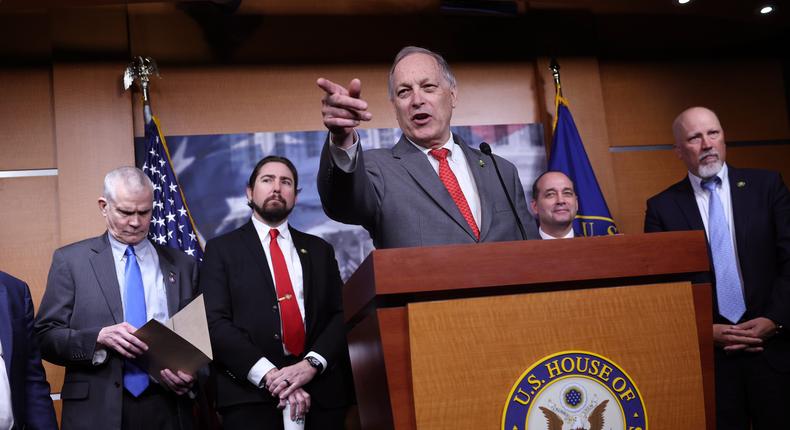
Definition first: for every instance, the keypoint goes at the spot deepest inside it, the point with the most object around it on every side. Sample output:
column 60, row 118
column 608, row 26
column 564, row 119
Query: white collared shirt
column 703, row 204
column 546, row 236
column 6, row 405
column 294, row 265
column 153, row 279
column 345, row 160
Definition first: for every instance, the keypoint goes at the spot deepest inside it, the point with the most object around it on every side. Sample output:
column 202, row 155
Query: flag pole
column 141, row 69
column 554, row 66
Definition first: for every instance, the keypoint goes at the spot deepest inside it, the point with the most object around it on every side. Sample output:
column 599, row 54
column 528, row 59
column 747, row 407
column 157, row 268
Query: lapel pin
column 482, row 163
column 171, row 278
column 303, row 251
column 741, row 184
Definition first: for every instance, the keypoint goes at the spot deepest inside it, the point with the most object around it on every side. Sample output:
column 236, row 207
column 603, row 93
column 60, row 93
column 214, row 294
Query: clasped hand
column 748, row 336
column 287, row 383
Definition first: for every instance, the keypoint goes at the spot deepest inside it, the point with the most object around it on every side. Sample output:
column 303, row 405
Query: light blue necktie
column 135, row 380
column 728, row 285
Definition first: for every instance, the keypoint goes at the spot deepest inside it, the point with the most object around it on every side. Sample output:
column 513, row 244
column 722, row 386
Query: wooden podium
column 439, row 335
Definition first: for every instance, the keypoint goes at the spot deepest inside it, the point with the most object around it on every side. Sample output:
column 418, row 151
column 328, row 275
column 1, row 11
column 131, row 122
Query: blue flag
column 568, row 156
column 171, row 222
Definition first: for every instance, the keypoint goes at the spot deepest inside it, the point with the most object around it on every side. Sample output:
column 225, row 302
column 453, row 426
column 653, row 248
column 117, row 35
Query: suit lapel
column 253, row 243
column 103, row 265
column 684, row 197
column 303, row 249
column 171, row 280
column 740, row 208
column 420, row 169
column 6, row 335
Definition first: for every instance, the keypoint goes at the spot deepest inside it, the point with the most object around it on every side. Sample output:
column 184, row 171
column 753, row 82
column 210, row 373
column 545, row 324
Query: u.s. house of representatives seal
column 574, row 390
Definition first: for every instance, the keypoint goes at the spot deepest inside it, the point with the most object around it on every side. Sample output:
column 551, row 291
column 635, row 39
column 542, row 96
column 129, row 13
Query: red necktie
column 291, row 318
column 451, row 183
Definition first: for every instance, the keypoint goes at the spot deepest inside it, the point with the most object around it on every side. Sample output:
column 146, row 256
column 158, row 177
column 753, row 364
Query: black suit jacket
column 30, row 399
column 761, row 211
column 81, row 298
column 244, row 318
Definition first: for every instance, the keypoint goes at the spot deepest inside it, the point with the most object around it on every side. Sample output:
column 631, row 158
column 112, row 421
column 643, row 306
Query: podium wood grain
column 483, row 345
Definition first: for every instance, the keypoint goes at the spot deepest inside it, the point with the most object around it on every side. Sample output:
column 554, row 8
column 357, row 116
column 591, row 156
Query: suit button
column 276, row 336
column 117, row 384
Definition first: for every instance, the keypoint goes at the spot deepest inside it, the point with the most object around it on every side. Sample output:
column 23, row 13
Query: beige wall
column 69, row 113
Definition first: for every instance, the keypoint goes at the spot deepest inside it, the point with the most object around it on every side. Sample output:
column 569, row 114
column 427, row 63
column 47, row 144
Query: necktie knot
column 129, row 251
column 439, row 154
column 273, row 233
column 710, row 184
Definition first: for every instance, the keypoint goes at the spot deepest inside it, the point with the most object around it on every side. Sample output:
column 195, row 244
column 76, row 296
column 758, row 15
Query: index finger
column 134, row 340
column 330, row 87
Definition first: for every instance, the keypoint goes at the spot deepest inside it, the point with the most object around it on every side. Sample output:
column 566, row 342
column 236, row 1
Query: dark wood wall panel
column 29, row 230
column 235, row 99
column 26, row 125
column 643, row 98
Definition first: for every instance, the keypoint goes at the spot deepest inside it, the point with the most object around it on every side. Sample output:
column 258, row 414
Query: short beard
column 711, row 169
column 274, row 215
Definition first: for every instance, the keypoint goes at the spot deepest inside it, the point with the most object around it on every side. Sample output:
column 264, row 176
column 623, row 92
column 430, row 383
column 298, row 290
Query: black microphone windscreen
column 485, row 148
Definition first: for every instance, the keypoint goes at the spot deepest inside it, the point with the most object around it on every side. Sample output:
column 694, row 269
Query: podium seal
column 576, row 390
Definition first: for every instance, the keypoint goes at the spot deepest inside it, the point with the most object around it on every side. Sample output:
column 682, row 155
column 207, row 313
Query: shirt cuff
column 345, row 159
column 99, row 357
column 319, row 358
column 259, row 370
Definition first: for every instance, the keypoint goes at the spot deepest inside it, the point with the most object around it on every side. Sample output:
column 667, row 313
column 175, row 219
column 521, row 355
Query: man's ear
column 103, row 206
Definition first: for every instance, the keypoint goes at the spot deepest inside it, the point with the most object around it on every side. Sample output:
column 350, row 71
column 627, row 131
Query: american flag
column 171, row 222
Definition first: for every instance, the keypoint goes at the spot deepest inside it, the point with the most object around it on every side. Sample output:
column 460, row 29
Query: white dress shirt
column 294, row 265
column 6, row 406
column 345, row 160
column 703, row 203
column 546, row 236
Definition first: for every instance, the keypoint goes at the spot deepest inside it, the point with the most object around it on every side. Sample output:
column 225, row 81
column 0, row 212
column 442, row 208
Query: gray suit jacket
column 81, row 298
column 399, row 199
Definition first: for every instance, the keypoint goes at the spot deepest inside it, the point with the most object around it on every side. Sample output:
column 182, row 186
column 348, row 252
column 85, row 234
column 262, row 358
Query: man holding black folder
column 99, row 291
column 275, row 315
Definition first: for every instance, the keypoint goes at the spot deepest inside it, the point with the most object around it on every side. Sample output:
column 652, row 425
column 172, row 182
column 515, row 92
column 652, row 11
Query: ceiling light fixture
column 683, row 1
column 766, row 10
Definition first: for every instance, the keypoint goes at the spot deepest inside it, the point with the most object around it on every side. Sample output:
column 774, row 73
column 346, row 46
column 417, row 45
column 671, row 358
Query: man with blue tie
column 24, row 391
column 99, row 291
column 746, row 216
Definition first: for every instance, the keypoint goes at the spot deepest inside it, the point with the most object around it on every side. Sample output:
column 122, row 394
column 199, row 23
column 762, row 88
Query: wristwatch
column 314, row 363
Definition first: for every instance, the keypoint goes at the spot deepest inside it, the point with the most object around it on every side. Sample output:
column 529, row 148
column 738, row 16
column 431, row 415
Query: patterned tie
column 728, row 285
column 451, row 183
column 135, row 380
column 291, row 317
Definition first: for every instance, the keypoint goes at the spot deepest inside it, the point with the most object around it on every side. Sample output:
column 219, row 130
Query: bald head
column 699, row 141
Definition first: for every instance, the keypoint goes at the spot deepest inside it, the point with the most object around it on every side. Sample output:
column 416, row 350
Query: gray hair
column 132, row 177
column 409, row 50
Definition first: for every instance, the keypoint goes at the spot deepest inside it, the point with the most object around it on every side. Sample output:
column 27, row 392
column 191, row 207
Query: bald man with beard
column 745, row 214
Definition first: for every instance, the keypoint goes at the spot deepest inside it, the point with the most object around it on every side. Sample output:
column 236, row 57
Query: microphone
column 486, row 149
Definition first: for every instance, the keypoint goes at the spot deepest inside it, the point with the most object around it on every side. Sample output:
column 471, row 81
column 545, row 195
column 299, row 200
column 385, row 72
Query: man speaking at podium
column 746, row 216
column 428, row 189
